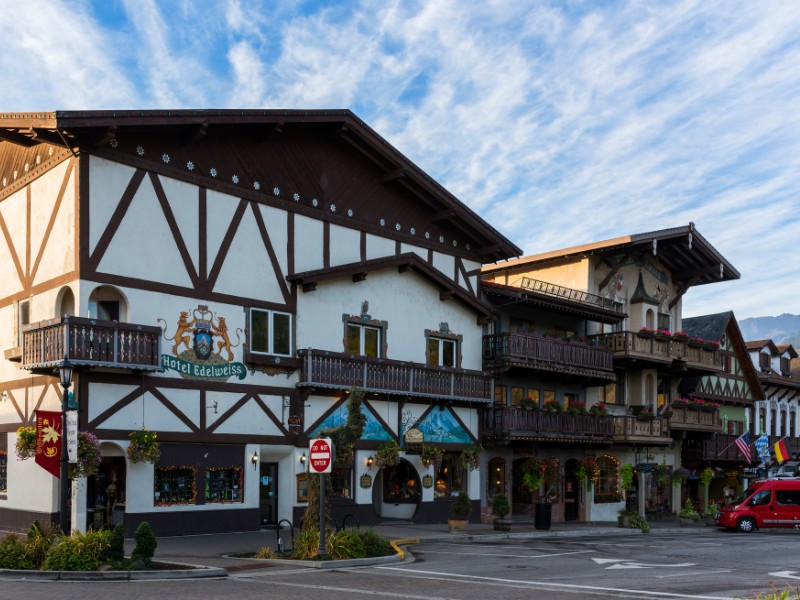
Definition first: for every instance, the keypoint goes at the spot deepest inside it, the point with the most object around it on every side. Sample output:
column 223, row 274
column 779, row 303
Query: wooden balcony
column 691, row 418
column 507, row 350
column 91, row 343
column 504, row 424
column 667, row 353
column 344, row 371
column 718, row 448
column 638, row 431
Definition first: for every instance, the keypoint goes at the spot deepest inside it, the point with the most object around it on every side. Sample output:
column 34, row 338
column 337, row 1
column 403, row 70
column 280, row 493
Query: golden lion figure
column 221, row 329
column 183, row 335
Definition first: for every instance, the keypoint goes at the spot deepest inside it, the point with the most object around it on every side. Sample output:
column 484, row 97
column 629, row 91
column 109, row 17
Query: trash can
column 542, row 515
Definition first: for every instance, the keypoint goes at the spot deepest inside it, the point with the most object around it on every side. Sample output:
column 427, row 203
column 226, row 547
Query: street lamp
column 65, row 372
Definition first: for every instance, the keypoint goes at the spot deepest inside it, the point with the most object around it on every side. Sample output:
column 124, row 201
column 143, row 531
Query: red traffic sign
column 320, row 455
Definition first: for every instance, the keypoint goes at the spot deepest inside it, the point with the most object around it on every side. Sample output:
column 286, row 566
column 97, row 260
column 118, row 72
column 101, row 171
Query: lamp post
column 65, row 372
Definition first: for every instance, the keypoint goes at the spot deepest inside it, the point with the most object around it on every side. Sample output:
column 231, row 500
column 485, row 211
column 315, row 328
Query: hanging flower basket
column 387, row 455
column 143, row 447
column 432, row 455
column 26, row 443
column 89, row 456
column 471, row 457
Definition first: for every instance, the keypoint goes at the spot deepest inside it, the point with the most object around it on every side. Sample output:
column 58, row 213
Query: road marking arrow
column 631, row 564
column 601, row 561
column 786, row 574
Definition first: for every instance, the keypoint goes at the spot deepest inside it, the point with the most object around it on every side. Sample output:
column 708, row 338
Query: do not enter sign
column 320, row 455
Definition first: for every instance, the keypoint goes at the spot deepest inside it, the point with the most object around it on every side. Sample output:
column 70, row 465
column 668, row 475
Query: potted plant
column 688, row 515
column 647, row 414
column 528, row 404
column 460, row 511
column 26, row 442
column 471, row 457
column 599, row 409
column 432, row 455
column 387, row 455
column 501, row 508
column 552, row 406
column 646, row 332
column 144, row 446
column 576, row 408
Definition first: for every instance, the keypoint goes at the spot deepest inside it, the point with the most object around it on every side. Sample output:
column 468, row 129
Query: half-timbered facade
column 647, row 274
column 224, row 278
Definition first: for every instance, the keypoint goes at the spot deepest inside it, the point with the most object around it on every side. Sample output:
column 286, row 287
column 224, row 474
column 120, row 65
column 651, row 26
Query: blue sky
column 559, row 122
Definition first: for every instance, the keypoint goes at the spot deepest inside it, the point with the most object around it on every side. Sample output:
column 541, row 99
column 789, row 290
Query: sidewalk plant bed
column 47, row 549
column 341, row 545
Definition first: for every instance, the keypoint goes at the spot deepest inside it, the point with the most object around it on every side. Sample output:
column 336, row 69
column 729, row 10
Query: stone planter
column 457, row 525
column 686, row 522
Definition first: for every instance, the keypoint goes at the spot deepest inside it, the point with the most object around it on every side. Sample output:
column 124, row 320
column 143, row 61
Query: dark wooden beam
column 310, row 286
column 393, row 175
column 614, row 270
column 17, row 138
column 197, row 133
column 403, row 268
column 488, row 250
column 684, row 287
column 445, row 295
column 444, row 215
column 359, row 277
column 50, row 137
column 108, row 134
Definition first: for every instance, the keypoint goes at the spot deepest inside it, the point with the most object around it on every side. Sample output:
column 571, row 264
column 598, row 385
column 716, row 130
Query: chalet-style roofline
column 403, row 262
column 688, row 255
column 760, row 344
column 87, row 130
column 517, row 295
column 782, row 348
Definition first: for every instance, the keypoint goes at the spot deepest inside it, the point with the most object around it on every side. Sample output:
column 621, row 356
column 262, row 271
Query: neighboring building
column 224, row 278
column 648, row 274
column 735, row 389
column 542, row 362
column 778, row 413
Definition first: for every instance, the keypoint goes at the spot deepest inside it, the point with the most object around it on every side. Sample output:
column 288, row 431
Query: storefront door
column 268, row 493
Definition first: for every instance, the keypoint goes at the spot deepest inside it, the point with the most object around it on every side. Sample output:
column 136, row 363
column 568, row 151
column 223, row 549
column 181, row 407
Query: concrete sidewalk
column 214, row 550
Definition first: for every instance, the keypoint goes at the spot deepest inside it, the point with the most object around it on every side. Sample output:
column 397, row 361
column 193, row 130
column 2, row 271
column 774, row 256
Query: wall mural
column 197, row 336
column 441, row 426
column 373, row 430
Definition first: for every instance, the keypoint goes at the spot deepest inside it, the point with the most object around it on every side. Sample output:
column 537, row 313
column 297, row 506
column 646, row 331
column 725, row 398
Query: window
column 496, row 475
column 451, row 477
column 270, row 332
column 442, row 352
column 517, row 394
column 341, row 483
column 23, row 318
column 571, row 399
column 726, row 360
column 3, row 463
column 174, row 485
column 613, row 393
column 401, row 483
column 788, row 497
column 224, row 485
column 533, row 396
column 664, row 321
column 364, row 340
column 302, row 487
column 500, row 395
column 785, row 368
column 606, row 489
column 764, row 361
column 792, row 421
column 664, row 386
column 549, row 396
column 761, row 498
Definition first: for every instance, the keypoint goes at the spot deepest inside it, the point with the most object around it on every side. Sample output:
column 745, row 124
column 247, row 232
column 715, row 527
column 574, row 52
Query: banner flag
column 781, row 453
column 72, row 436
column 48, row 441
column 762, row 445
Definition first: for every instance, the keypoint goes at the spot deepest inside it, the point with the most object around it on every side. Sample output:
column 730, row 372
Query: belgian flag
column 781, row 454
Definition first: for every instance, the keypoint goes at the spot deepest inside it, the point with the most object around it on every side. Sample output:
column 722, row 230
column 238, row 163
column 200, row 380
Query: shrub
column 688, row 511
column 639, row 522
column 306, row 545
column 500, row 506
column 345, row 544
column 267, row 552
column 462, row 507
column 40, row 538
column 78, row 552
column 375, row 544
column 14, row 554
column 145, row 543
column 117, row 541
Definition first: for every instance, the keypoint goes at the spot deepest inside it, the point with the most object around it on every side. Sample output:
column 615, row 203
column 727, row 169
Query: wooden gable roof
column 325, row 163
column 689, row 257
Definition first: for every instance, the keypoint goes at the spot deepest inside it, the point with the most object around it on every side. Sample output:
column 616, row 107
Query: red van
column 767, row 503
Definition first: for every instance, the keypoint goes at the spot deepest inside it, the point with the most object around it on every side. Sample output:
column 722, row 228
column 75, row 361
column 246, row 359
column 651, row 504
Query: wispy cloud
column 560, row 123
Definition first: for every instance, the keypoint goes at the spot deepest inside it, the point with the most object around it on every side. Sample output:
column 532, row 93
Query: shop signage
column 366, row 481
column 413, row 441
column 48, row 441
column 427, row 482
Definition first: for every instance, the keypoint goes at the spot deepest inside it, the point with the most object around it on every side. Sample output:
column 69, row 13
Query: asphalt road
column 711, row 565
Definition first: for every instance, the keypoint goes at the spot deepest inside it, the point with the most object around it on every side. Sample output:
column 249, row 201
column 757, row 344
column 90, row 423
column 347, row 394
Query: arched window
column 451, row 477
column 401, row 483
column 650, row 319
column 107, row 303
column 496, row 477
column 607, row 487
column 65, row 304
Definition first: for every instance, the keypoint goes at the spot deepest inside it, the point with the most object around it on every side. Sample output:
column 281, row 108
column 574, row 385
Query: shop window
column 224, row 485
column 496, row 475
column 607, row 487
column 341, row 483
column 451, row 476
column 270, row 332
column 401, row 483
column 174, row 485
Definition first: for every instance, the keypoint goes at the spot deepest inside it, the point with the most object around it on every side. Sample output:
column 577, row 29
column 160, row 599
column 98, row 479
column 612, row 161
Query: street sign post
column 320, row 455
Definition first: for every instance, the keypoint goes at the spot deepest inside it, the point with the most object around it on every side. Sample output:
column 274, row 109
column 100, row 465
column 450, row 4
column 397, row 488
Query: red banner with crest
column 48, row 441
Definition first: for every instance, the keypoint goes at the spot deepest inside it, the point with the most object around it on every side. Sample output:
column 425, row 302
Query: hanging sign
column 414, row 441
column 72, row 436
column 366, row 481
column 48, row 441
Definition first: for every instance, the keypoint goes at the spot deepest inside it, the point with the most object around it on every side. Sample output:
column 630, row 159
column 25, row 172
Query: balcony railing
column 89, row 342
column 636, row 430
column 659, row 349
column 534, row 352
column 719, row 448
column 343, row 371
column 565, row 293
column 695, row 419
column 507, row 423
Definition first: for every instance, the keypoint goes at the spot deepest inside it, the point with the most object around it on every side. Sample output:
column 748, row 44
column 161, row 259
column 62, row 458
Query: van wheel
column 746, row 525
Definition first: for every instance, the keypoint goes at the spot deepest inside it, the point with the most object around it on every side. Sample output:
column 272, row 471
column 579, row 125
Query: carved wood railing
column 695, row 419
column 639, row 430
column 512, row 423
column 629, row 343
column 548, row 354
column 90, row 342
column 343, row 371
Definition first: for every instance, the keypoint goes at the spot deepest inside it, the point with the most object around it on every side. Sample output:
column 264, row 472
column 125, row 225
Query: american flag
column 743, row 444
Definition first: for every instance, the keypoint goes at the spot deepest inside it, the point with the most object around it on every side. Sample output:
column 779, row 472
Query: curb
column 197, row 572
